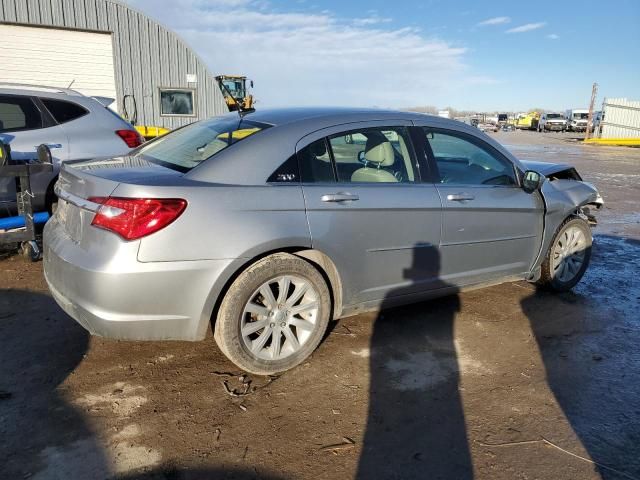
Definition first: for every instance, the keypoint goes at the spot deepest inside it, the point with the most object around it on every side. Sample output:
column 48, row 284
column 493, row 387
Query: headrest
column 318, row 148
column 382, row 154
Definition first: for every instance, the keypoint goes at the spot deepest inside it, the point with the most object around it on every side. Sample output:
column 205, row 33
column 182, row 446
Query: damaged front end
column 565, row 191
column 564, row 194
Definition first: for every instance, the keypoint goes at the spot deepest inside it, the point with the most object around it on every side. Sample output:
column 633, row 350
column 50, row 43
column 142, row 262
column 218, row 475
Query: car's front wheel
column 274, row 315
column 568, row 256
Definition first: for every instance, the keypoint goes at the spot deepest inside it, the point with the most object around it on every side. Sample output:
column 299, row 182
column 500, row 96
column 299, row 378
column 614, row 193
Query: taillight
column 134, row 218
column 130, row 137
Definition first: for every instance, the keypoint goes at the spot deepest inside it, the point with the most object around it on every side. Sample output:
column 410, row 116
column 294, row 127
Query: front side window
column 18, row 113
column 177, row 102
column 467, row 161
column 63, row 111
column 187, row 147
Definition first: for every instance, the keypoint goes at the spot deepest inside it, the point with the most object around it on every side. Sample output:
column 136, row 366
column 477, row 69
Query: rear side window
column 18, row 113
column 63, row 111
column 315, row 163
column 370, row 155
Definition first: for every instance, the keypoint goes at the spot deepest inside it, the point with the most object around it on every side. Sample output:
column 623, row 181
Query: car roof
column 39, row 90
column 281, row 116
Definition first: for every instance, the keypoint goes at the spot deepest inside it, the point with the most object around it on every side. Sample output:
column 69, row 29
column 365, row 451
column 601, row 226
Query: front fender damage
column 564, row 198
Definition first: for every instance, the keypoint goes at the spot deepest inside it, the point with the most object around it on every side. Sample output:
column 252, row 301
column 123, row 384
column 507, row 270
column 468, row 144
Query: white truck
column 577, row 120
column 552, row 122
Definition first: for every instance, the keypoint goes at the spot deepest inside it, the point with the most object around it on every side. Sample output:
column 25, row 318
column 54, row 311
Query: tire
column 51, row 200
column 574, row 238
column 235, row 330
column 31, row 251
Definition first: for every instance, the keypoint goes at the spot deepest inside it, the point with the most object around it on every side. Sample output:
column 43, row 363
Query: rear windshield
column 187, row 147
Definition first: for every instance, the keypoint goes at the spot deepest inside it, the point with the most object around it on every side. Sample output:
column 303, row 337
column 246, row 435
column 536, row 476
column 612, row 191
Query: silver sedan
column 269, row 225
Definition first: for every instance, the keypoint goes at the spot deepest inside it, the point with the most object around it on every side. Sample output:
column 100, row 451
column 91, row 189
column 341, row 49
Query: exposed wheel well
column 50, row 195
column 319, row 260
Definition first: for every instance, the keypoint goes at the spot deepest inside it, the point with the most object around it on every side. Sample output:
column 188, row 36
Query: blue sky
column 477, row 55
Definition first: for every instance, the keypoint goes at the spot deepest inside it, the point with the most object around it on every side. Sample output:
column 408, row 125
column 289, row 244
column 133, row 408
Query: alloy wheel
column 569, row 254
column 279, row 317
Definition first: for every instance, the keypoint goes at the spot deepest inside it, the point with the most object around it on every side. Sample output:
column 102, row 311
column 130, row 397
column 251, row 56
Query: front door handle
column 460, row 197
column 339, row 197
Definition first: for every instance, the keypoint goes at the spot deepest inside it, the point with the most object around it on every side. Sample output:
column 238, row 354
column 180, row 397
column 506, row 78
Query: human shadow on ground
column 588, row 340
column 44, row 436
column 415, row 426
column 201, row 473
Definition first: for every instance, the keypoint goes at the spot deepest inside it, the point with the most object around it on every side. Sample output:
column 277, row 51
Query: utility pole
column 594, row 93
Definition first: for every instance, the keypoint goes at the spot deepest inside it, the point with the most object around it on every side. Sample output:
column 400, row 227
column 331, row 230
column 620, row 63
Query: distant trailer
column 620, row 119
column 444, row 113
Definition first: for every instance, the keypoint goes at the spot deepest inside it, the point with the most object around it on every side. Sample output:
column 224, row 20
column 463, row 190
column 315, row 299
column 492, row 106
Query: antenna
column 72, row 82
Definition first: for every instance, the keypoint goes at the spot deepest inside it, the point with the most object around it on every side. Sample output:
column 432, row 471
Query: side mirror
column 532, row 181
column 44, row 154
column 251, row 83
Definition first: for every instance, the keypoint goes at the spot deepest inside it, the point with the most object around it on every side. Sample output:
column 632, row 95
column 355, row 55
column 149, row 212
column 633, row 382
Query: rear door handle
column 460, row 197
column 339, row 197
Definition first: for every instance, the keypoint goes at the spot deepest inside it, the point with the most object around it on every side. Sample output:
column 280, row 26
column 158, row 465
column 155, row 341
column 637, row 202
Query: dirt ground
column 501, row 383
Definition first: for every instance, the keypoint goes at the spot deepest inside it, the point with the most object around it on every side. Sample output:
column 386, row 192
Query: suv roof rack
column 39, row 88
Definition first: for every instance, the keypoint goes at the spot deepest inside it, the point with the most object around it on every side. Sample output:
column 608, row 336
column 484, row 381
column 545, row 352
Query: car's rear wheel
column 568, row 256
column 273, row 315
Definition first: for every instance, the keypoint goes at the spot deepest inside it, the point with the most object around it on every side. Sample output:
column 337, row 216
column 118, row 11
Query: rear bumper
column 114, row 295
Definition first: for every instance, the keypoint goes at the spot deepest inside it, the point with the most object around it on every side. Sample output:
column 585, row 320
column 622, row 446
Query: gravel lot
column 501, row 383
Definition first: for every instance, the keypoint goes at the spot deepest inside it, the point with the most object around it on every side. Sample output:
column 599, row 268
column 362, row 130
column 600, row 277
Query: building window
column 177, row 102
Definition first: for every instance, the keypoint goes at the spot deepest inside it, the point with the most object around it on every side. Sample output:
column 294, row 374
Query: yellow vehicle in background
column 234, row 89
column 528, row 121
column 150, row 132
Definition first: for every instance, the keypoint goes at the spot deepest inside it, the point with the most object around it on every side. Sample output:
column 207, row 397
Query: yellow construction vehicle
column 528, row 121
column 150, row 132
column 234, row 89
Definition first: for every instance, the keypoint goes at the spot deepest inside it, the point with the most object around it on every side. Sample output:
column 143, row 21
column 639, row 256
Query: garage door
column 58, row 58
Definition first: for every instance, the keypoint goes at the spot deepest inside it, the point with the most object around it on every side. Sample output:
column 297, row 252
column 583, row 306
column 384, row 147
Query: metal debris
column 346, row 444
column 551, row 444
column 246, row 385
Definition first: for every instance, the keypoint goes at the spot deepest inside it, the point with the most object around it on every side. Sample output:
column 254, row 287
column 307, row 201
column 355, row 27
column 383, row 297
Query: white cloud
column 304, row 58
column 495, row 21
column 553, row 36
column 372, row 20
column 527, row 27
